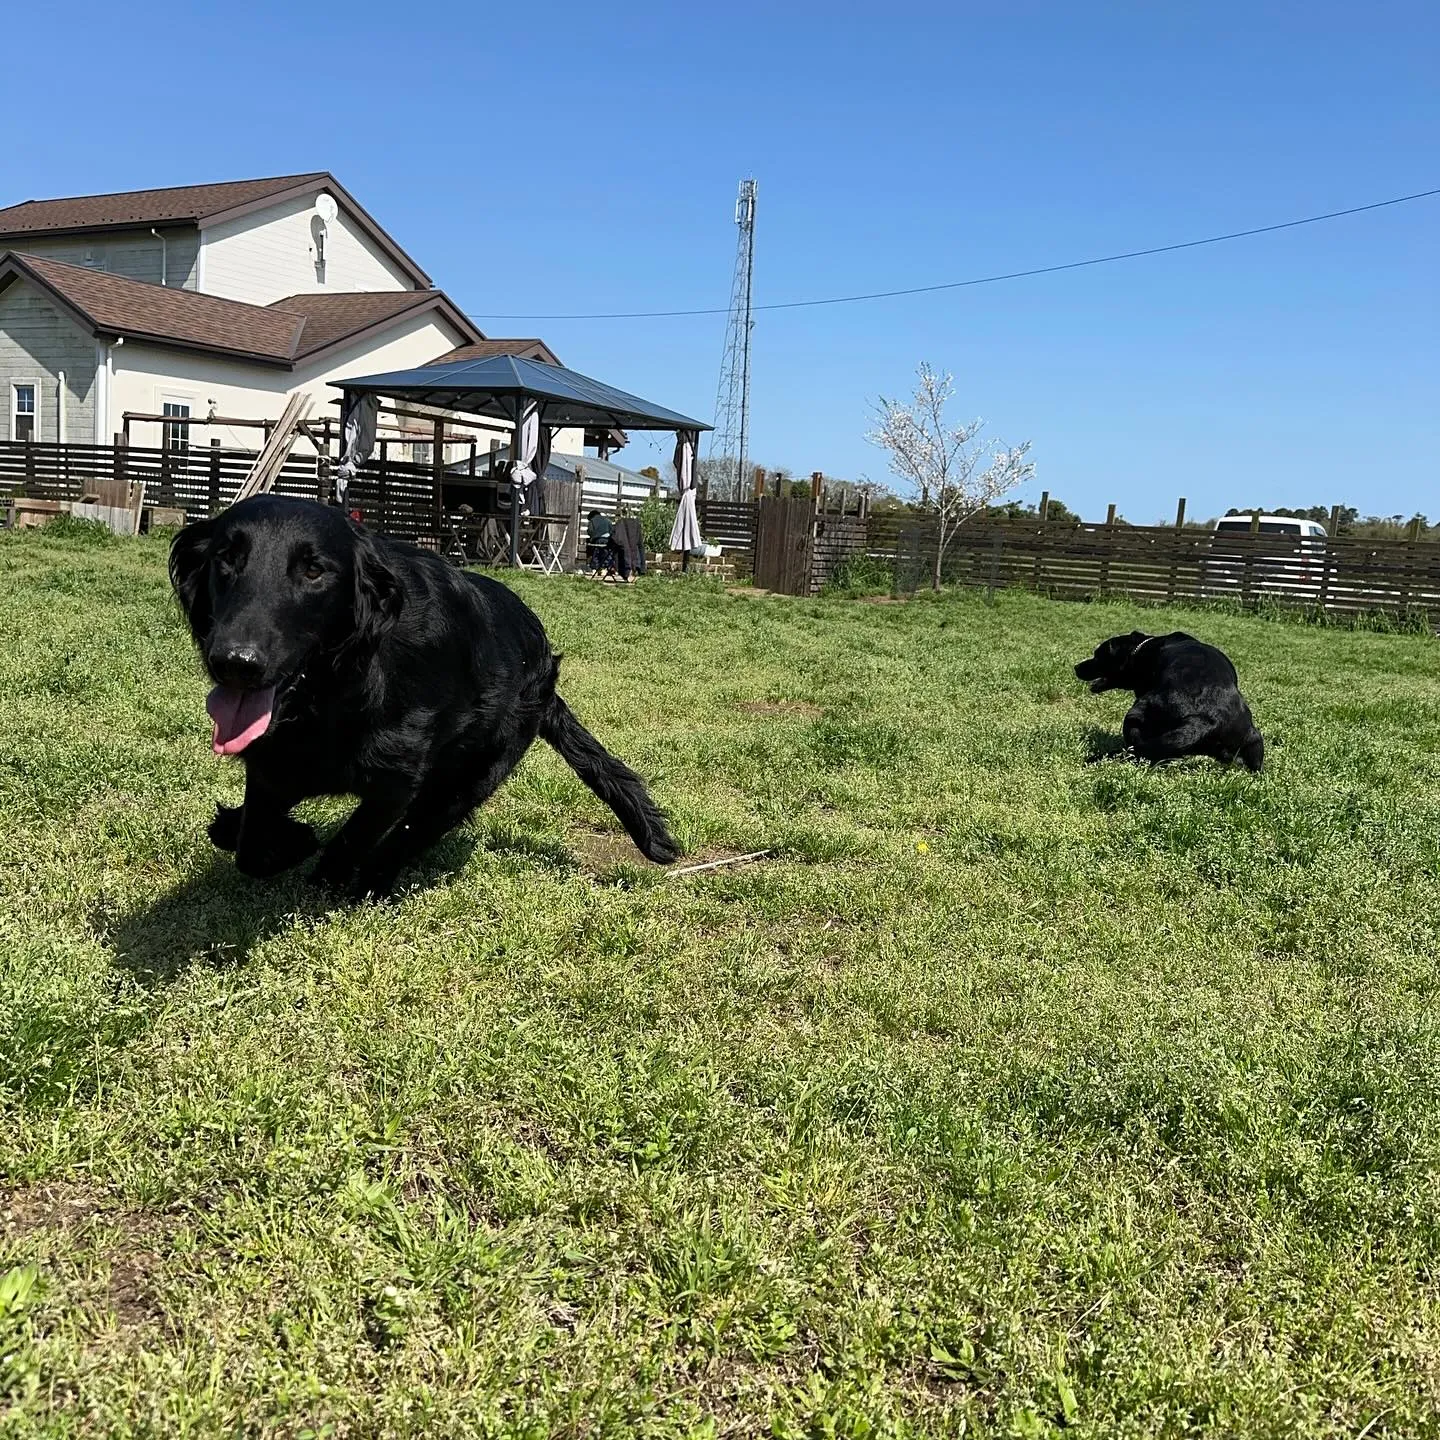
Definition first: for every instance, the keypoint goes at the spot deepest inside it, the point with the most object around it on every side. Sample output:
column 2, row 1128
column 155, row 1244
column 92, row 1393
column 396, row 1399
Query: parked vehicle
column 1300, row 569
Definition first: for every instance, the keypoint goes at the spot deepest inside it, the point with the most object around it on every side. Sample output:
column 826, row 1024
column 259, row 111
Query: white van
column 1300, row 569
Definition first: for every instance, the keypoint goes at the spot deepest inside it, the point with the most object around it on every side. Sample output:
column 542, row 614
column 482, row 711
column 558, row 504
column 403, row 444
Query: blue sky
column 566, row 158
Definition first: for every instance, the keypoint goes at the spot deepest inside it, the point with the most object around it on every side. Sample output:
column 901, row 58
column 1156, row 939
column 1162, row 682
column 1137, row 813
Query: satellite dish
column 325, row 207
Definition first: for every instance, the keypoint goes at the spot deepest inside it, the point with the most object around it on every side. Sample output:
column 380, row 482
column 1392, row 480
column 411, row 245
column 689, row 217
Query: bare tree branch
column 950, row 469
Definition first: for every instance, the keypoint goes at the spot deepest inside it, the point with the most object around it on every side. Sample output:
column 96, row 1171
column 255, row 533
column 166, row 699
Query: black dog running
column 349, row 663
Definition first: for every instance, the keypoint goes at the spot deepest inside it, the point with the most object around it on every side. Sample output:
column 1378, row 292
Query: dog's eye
column 313, row 571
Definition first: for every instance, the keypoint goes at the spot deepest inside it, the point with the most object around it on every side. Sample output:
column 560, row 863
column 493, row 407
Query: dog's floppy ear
column 190, row 574
column 377, row 593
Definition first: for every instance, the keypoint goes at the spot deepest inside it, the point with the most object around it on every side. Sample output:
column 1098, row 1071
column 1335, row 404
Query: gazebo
column 536, row 399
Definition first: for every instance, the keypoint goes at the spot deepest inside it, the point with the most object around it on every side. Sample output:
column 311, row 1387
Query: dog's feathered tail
column 612, row 780
column 1252, row 752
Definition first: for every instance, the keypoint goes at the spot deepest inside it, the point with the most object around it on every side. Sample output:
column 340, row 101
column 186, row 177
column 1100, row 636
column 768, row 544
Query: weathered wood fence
column 796, row 545
column 393, row 496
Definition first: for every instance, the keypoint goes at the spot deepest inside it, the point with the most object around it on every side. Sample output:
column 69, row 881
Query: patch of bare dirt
column 599, row 851
column 128, row 1243
column 46, row 1206
column 603, row 850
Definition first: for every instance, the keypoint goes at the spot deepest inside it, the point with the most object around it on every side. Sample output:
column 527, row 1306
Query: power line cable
column 982, row 279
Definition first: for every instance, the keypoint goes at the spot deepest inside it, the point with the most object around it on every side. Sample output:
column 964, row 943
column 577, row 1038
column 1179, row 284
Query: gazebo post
column 516, row 440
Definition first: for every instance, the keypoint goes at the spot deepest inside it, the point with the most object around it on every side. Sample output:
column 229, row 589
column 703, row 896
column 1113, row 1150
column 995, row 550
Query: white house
column 206, row 300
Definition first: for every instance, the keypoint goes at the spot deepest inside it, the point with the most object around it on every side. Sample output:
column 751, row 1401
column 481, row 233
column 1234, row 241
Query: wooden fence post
column 214, row 496
column 757, row 488
column 382, row 487
column 1037, row 580
column 1407, row 587
column 1248, row 572
column 439, row 466
column 1109, row 548
column 1175, row 551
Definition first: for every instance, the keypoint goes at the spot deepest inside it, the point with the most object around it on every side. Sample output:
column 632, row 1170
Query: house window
column 177, row 437
column 22, row 411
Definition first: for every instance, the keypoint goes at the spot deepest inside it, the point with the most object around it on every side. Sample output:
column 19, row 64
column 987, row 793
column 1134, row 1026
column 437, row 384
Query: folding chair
column 543, row 542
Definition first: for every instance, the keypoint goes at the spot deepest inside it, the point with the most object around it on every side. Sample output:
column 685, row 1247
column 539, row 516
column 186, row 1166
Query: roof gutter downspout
column 164, row 255
column 60, row 408
column 104, row 385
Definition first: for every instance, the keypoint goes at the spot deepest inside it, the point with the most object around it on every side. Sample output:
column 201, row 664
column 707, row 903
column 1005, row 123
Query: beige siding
column 146, row 374
column 38, row 343
column 264, row 256
column 136, row 255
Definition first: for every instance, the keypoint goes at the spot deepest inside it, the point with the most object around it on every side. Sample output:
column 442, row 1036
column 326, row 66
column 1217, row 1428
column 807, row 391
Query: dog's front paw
column 370, row 882
column 225, row 827
column 281, row 849
column 334, row 871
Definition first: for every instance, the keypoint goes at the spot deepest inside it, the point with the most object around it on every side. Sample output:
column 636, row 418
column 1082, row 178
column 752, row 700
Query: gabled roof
column 295, row 329
column 189, row 203
column 333, row 318
column 200, row 205
column 490, row 387
column 531, row 349
column 114, row 305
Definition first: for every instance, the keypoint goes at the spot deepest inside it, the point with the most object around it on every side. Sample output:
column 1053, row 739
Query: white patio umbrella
column 358, row 421
column 685, row 533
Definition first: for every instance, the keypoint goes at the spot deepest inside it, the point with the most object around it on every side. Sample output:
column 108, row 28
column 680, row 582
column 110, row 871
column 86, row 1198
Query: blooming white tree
column 951, row 471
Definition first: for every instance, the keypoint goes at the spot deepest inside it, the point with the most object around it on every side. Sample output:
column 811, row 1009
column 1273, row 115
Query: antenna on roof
column 325, row 211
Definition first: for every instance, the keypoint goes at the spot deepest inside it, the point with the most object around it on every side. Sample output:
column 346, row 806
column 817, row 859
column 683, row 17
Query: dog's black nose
column 240, row 666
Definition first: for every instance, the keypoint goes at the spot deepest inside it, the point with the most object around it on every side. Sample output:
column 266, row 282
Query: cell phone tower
column 730, row 439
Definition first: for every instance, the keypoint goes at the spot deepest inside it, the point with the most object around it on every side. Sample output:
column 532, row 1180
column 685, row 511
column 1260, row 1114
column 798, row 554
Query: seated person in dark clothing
column 626, row 550
column 597, row 542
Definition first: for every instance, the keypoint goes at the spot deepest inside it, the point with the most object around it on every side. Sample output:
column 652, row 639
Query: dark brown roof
column 200, row 205
column 484, row 349
column 332, row 318
column 294, row 329
column 120, row 306
column 145, row 207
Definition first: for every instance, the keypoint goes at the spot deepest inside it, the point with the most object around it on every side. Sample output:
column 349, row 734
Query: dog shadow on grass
column 217, row 916
column 1101, row 745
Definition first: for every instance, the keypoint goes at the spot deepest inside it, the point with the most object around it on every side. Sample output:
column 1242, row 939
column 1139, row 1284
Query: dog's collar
column 1144, row 643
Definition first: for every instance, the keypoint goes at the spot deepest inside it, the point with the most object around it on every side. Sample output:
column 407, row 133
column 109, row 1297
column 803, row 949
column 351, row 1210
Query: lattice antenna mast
column 730, row 440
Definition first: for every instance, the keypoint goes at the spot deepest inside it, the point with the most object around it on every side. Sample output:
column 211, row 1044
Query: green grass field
column 1013, row 1096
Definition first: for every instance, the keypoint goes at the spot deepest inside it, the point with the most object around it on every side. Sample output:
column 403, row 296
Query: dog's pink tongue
column 240, row 716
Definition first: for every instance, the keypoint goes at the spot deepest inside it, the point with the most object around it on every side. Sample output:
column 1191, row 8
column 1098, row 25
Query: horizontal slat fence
column 395, row 497
column 1163, row 564
column 730, row 524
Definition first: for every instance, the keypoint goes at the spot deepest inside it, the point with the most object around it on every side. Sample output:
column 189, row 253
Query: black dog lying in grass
column 346, row 663
column 1187, row 698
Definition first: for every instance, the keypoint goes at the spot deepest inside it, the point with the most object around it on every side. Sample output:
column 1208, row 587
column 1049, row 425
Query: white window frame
column 16, row 385
column 170, row 397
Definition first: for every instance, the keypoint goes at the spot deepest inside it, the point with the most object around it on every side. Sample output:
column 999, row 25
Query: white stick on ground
column 717, row 864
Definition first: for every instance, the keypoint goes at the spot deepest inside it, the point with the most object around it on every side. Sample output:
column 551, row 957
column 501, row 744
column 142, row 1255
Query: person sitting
column 626, row 551
column 597, row 543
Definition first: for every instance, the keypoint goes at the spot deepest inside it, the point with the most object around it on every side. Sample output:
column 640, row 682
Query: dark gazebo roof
column 491, row 386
